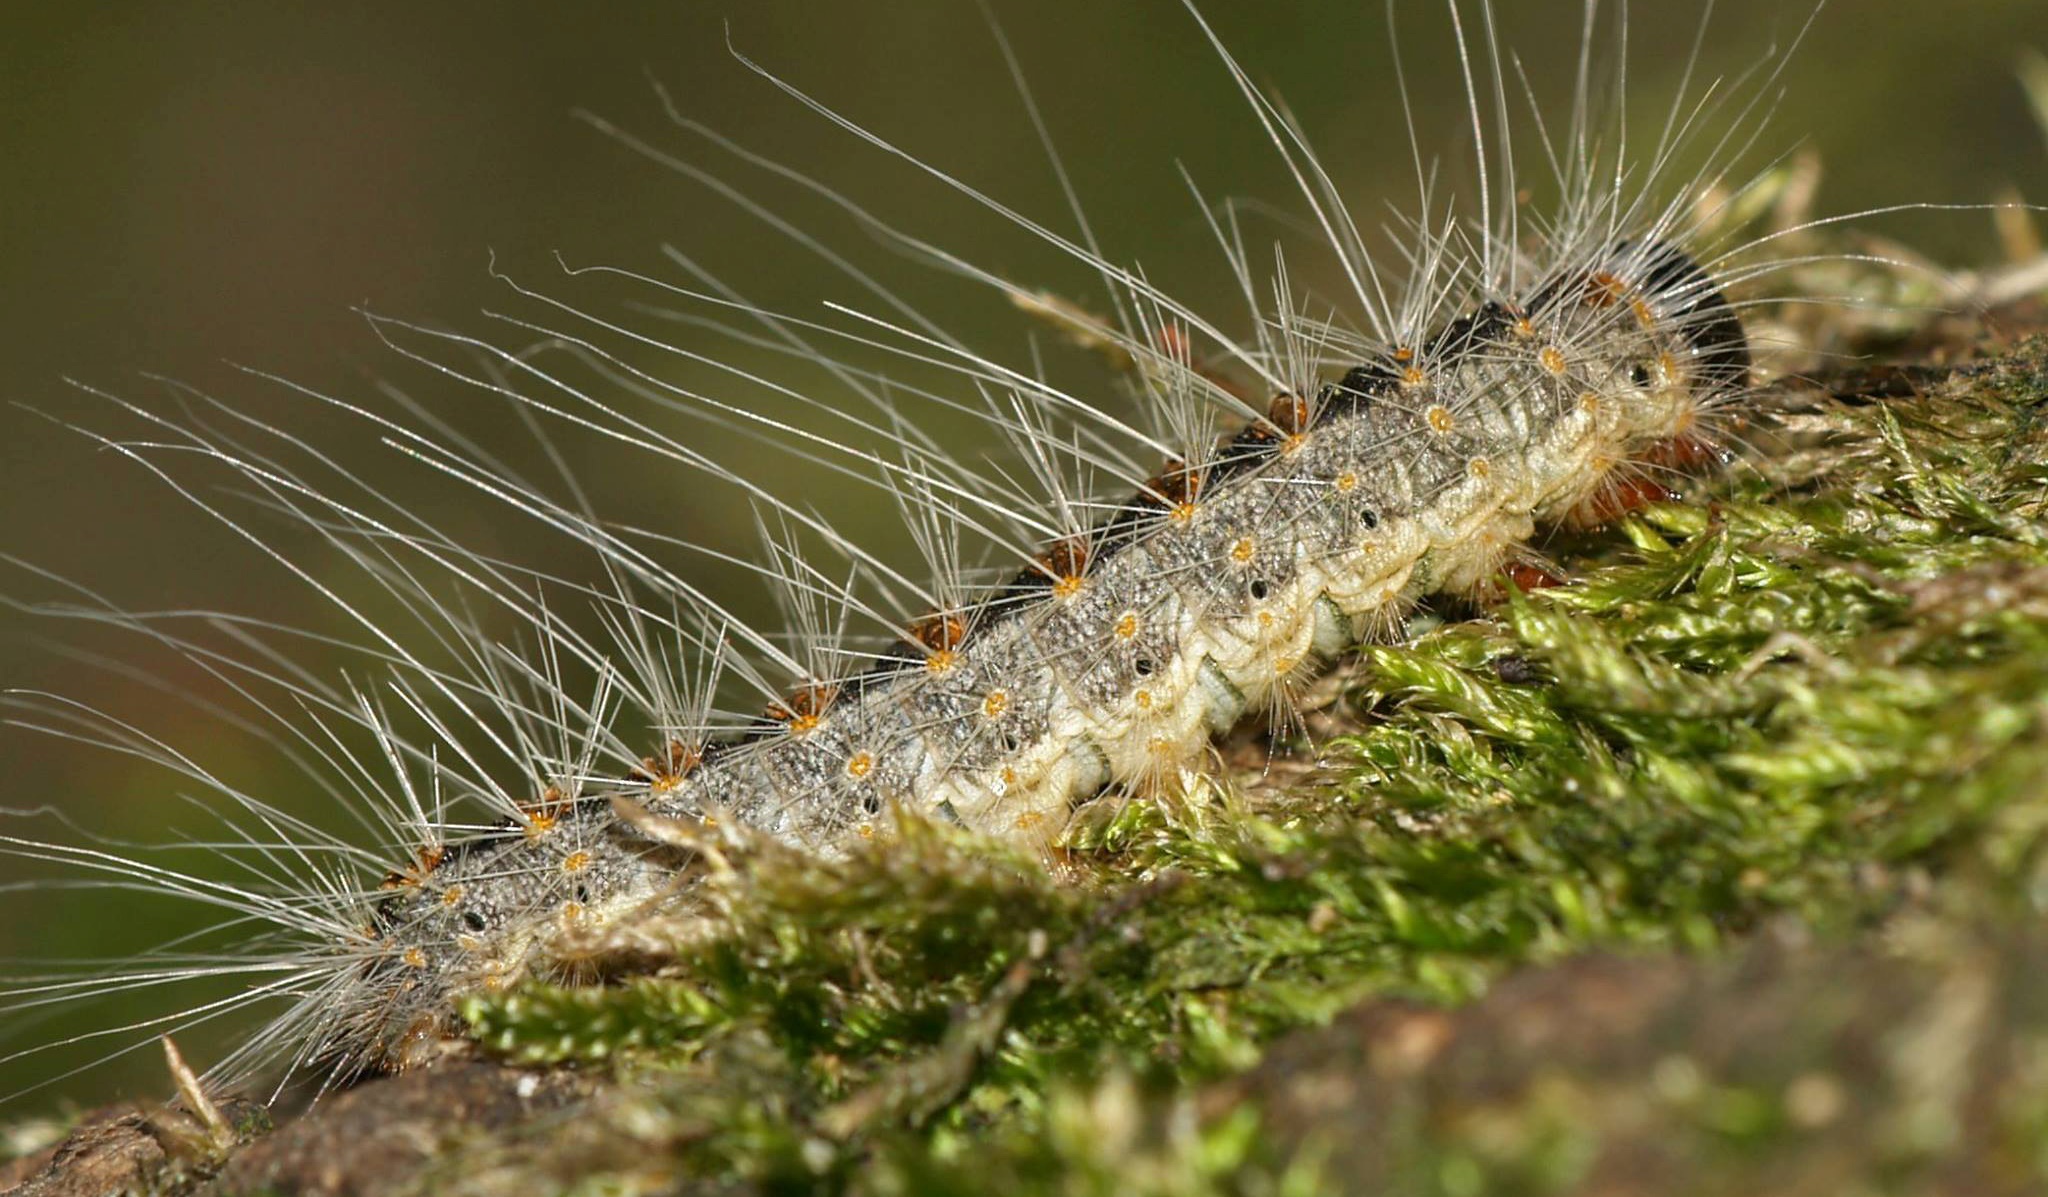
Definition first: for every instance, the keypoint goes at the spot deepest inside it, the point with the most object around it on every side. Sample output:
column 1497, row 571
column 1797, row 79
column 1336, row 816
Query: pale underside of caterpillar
column 1506, row 382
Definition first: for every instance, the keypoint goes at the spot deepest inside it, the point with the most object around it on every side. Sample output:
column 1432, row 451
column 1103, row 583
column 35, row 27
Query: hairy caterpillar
column 1450, row 453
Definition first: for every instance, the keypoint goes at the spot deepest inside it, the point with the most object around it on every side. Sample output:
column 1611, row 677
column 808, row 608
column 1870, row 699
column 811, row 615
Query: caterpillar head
column 1653, row 352
column 1669, row 349
column 1691, row 304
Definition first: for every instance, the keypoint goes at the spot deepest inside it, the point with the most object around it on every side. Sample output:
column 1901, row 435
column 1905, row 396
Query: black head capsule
column 1688, row 298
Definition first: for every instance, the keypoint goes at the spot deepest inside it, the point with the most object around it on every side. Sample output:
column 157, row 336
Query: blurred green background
column 191, row 184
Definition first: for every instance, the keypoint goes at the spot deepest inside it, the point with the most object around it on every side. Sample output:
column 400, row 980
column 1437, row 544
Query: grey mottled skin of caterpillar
column 1416, row 481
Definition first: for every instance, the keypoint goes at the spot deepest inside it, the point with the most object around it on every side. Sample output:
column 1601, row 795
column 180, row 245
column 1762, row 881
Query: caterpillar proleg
column 1151, row 522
